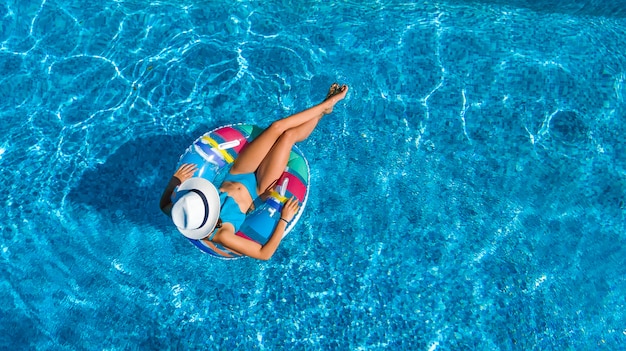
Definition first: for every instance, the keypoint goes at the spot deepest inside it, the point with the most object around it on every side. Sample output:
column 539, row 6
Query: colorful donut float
column 215, row 152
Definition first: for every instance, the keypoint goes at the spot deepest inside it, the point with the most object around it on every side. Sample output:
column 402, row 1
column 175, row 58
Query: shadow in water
column 129, row 184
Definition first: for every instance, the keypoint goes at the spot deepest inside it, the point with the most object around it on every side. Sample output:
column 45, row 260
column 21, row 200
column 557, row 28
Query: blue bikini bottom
column 247, row 179
column 230, row 212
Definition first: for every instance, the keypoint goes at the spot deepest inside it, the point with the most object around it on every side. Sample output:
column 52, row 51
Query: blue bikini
column 247, row 179
column 230, row 211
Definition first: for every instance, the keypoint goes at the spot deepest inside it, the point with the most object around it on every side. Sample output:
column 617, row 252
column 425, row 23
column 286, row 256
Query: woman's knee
column 277, row 127
column 291, row 135
column 281, row 132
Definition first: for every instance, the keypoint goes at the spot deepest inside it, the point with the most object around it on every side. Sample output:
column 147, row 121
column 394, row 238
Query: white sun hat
column 195, row 214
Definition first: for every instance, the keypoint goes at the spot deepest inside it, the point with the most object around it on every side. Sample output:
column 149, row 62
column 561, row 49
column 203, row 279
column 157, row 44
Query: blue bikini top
column 230, row 211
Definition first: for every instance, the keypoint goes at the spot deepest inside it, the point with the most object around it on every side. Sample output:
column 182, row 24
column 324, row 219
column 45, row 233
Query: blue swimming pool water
column 469, row 194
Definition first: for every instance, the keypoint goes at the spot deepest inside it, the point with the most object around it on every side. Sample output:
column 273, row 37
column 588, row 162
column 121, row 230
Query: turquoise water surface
column 468, row 194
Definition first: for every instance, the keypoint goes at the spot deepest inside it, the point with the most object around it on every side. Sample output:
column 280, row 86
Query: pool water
column 468, row 194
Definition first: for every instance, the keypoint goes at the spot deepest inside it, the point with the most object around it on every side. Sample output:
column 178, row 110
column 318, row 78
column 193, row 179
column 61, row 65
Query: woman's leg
column 274, row 163
column 253, row 154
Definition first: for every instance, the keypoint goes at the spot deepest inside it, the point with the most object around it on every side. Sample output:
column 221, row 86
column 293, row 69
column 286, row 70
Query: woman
column 214, row 216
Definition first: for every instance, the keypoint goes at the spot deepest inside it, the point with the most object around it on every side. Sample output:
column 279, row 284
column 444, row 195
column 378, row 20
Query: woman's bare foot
column 335, row 94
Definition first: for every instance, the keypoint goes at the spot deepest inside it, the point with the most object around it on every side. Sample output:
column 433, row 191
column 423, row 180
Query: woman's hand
column 185, row 172
column 289, row 209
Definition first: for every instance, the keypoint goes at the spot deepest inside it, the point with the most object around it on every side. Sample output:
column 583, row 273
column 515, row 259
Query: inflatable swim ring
column 214, row 153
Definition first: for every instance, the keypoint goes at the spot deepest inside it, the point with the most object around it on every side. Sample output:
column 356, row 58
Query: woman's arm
column 226, row 236
column 185, row 172
column 252, row 249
